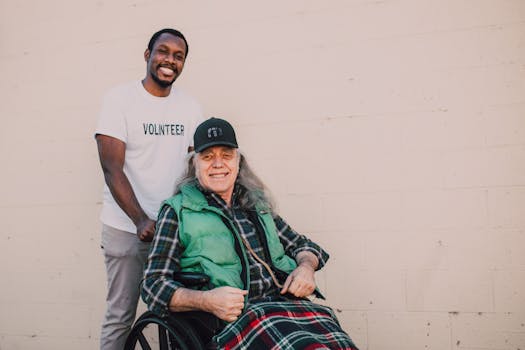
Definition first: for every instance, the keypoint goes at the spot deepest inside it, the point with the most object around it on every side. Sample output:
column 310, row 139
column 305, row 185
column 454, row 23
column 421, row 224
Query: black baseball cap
column 214, row 132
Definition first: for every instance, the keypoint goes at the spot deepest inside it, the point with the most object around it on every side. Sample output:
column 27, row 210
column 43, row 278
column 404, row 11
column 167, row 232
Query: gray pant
column 125, row 256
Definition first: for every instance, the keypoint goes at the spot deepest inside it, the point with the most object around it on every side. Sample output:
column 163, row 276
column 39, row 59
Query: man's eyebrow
column 164, row 46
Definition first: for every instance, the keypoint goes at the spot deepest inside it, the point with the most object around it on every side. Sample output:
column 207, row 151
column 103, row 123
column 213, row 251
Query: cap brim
column 215, row 143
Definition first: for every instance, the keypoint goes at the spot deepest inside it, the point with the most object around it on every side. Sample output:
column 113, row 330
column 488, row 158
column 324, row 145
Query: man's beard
column 162, row 83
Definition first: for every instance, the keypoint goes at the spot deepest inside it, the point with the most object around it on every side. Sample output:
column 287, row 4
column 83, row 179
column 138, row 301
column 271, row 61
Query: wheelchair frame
column 174, row 331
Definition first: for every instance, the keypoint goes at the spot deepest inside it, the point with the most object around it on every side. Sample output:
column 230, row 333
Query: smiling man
column 144, row 132
column 222, row 222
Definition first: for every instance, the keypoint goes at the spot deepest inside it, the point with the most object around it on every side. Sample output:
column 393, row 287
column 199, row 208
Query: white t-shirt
column 157, row 132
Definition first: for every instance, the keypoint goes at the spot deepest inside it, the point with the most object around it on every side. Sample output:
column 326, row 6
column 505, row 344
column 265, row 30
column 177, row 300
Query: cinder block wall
column 392, row 132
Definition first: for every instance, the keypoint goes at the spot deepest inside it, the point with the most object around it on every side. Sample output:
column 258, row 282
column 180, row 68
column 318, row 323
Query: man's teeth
column 166, row 71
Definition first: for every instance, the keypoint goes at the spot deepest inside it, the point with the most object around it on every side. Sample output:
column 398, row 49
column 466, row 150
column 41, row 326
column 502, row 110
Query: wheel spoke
column 152, row 332
column 163, row 338
column 143, row 342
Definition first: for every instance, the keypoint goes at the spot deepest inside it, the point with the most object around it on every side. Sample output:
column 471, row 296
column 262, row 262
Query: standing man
column 144, row 132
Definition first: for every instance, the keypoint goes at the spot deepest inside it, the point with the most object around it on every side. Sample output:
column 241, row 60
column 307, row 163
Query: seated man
column 221, row 222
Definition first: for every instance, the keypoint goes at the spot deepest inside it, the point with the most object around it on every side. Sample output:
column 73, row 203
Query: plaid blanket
column 285, row 325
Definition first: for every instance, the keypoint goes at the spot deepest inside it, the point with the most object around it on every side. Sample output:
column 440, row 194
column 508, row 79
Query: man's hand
column 300, row 282
column 226, row 303
column 146, row 230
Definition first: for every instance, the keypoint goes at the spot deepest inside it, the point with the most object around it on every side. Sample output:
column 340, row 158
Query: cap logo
column 214, row 131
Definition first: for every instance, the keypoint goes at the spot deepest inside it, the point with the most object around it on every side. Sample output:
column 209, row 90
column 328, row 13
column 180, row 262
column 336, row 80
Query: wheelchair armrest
column 192, row 279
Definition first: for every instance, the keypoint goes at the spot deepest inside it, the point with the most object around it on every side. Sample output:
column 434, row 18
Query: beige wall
column 392, row 132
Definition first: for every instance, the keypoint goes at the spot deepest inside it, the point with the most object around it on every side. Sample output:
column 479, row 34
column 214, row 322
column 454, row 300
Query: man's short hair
column 171, row 31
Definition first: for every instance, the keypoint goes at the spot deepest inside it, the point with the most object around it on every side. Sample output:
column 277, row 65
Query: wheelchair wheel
column 153, row 332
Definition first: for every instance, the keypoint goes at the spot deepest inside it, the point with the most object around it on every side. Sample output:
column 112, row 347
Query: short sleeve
column 112, row 121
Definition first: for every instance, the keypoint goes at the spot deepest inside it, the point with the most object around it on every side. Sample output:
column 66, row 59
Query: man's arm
column 163, row 294
column 111, row 152
column 226, row 303
column 308, row 255
column 295, row 243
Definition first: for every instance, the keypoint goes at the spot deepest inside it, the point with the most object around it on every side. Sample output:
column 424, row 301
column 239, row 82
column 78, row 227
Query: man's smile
column 167, row 71
column 219, row 175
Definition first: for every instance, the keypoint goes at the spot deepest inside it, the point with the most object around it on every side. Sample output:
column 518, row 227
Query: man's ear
column 147, row 55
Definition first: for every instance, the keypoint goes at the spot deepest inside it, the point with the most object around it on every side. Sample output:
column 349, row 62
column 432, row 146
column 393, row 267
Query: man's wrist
column 140, row 219
column 307, row 259
column 184, row 299
column 308, row 264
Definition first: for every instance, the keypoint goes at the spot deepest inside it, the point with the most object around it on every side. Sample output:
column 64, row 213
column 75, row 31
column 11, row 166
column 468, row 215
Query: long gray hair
column 255, row 191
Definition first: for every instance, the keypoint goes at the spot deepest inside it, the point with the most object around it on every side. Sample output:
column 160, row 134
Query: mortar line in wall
column 452, row 68
column 494, row 290
column 484, row 187
column 411, row 190
column 499, row 105
column 435, row 312
column 476, row 148
column 22, row 206
column 451, row 332
column 328, row 118
column 450, row 30
column 47, row 336
column 367, row 330
column 406, row 289
column 488, row 224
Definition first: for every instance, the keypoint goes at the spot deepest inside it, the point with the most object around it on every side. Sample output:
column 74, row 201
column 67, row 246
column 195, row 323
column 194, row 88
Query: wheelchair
column 191, row 330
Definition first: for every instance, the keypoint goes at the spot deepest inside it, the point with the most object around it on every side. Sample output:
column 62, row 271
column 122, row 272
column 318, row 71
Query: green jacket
column 212, row 244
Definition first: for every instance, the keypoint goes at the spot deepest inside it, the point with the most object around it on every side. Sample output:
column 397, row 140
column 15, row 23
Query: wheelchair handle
column 192, row 279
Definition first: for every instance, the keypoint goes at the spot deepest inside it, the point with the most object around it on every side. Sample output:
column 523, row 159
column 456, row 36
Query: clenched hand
column 226, row 303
